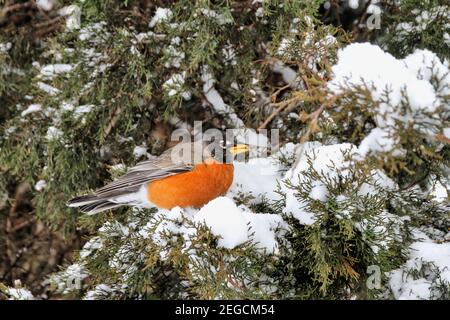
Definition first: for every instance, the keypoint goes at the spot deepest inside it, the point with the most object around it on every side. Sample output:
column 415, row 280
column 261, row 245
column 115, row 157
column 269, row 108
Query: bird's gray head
column 225, row 151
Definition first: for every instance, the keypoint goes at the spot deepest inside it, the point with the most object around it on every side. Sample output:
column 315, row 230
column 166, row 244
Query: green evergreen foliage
column 417, row 24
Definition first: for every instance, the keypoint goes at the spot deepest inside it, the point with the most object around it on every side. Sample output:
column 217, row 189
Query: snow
column 214, row 98
column 49, row 71
column 447, row 38
column 46, row 5
column 391, row 81
column 98, row 292
column 263, row 230
column 257, row 177
column 235, row 226
column 176, row 56
column 170, row 221
column 376, row 141
column 326, row 160
column 68, row 280
column 226, row 220
column 426, row 64
column 379, row 181
column 161, row 14
column 89, row 32
column 446, row 133
column 5, row 47
column 424, row 18
column 73, row 16
column 67, row 106
column 20, row 294
column 288, row 74
column 259, row 12
column 140, row 151
column 220, row 18
column 354, row 4
column 118, row 167
column 374, row 9
column 411, row 290
column 439, row 192
column 331, row 163
column 40, row 185
column 383, row 71
column 114, row 229
column 93, row 244
column 175, row 84
column 405, row 285
column 54, row 133
column 319, row 192
column 47, row 88
column 229, row 54
column 83, row 109
column 31, row 108
column 437, row 253
column 10, row 130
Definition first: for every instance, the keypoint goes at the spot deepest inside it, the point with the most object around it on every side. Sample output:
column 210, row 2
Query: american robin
column 166, row 182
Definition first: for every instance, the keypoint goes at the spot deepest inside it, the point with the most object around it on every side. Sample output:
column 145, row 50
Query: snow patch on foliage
column 46, row 5
column 428, row 264
column 391, row 82
column 161, row 14
column 225, row 220
column 54, row 133
column 73, row 16
column 363, row 64
column 20, row 294
column 174, row 86
column 377, row 141
column 329, row 160
column 215, row 99
column 5, row 47
column 92, row 245
column 31, row 108
column 235, row 226
column 40, row 185
column 140, row 151
column 258, row 178
column 103, row 291
column 48, row 88
column 51, row 70
column 321, row 167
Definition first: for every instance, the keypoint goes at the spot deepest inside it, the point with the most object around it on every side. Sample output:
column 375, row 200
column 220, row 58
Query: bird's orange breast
column 191, row 189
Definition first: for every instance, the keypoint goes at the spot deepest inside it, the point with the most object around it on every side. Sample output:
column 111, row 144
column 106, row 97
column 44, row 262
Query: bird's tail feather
column 92, row 204
column 83, row 200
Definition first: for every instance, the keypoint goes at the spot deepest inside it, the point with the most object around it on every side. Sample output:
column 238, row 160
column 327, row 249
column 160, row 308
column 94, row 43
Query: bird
column 169, row 180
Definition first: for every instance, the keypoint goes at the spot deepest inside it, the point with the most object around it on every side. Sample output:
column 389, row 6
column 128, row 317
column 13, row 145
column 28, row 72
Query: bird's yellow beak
column 239, row 148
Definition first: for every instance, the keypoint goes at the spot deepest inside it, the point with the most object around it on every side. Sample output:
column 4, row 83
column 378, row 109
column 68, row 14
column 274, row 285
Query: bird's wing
column 144, row 172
